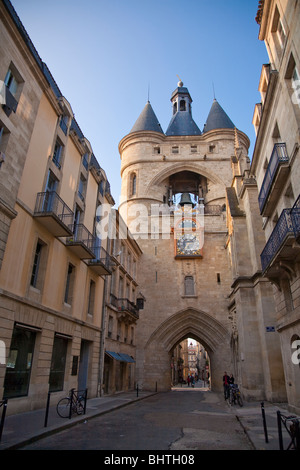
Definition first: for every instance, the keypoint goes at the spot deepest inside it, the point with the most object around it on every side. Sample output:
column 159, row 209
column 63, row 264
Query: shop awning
column 120, row 356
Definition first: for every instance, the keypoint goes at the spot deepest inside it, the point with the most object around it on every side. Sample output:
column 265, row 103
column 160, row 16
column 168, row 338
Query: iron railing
column 81, row 235
column 283, row 228
column 295, row 215
column 50, row 203
column 101, row 255
column 279, row 156
column 123, row 304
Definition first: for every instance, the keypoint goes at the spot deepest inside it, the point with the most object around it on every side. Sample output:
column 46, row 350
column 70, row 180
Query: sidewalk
column 22, row 428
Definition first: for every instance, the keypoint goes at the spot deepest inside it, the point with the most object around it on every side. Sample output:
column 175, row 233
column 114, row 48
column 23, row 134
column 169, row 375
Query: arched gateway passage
column 190, row 322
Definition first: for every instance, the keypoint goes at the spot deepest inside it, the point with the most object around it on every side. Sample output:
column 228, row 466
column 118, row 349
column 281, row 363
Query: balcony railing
column 82, row 242
column 123, row 305
column 283, row 228
column 54, row 213
column 295, row 215
column 279, row 156
column 101, row 264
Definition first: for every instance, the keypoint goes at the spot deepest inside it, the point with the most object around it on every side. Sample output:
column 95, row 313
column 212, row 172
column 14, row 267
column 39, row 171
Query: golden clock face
column 188, row 244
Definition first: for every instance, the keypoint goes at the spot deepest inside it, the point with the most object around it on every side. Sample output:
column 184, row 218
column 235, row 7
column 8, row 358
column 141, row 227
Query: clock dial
column 188, row 245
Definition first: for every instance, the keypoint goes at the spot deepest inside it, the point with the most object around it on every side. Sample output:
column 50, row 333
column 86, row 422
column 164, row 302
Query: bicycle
column 235, row 395
column 74, row 403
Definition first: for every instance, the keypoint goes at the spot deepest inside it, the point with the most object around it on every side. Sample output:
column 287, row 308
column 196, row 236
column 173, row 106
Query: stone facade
column 276, row 166
column 224, row 277
column 53, row 266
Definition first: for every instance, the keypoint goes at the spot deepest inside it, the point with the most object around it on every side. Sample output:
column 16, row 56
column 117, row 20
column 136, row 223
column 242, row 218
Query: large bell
column 185, row 199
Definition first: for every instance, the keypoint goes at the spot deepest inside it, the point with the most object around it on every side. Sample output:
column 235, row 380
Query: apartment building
column 124, row 303
column 53, row 264
column 276, row 166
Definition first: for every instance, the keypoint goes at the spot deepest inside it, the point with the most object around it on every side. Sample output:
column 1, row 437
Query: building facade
column 122, row 310
column 53, row 264
column 276, row 166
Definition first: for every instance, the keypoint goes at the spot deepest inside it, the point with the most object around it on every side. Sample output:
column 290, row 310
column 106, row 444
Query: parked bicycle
column 74, row 403
column 235, row 395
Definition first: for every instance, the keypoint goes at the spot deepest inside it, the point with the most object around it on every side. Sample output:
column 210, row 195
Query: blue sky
column 106, row 54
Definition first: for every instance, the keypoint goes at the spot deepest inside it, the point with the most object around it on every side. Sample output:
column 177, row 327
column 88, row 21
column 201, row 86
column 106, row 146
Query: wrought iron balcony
column 52, row 212
column 81, row 242
column 295, row 215
column 276, row 172
column 124, row 305
column 101, row 264
column 279, row 245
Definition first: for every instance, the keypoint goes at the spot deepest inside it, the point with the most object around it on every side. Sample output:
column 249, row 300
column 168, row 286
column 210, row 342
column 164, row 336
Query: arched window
column 182, row 105
column 133, row 184
column 189, row 288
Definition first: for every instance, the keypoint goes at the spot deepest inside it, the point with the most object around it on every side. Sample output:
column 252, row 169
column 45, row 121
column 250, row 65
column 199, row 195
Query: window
column 57, row 154
column 58, row 364
column 175, row 149
column 133, row 184
column 189, row 285
column 19, row 362
column 38, row 265
column 279, row 34
column 81, row 187
column 182, row 105
column 110, row 326
column 193, row 148
column 11, row 82
column 157, row 150
column 175, row 108
column 91, row 302
column 69, row 284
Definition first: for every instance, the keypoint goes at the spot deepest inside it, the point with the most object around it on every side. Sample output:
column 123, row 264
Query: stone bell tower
column 190, row 205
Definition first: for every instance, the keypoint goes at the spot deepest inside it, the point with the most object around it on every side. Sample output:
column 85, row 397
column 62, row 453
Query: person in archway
column 226, row 379
column 231, row 379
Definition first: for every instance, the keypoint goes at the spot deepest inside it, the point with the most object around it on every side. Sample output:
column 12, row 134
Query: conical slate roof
column 217, row 118
column 183, row 124
column 147, row 121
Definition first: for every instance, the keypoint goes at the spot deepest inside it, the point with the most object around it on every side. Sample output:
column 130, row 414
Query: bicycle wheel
column 63, row 407
column 231, row 398
column 239, row 400
column 80, row 406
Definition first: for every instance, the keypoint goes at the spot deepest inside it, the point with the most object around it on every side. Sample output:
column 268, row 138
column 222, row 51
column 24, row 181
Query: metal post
column 279, row 430
column 137, row 390
column 85, row 400
column 264, row 421
column 3, row 417
column 71, row 403
column 47, row 411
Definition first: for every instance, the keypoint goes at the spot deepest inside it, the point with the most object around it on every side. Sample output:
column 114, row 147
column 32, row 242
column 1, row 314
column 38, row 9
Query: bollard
column 137, row 390
column 279, row 430
column 4, row 404
column 264, row 421
column 47, row 411
column 71, row 402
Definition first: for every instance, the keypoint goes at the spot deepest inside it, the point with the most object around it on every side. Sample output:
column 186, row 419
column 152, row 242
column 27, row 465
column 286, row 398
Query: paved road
column 183, row 419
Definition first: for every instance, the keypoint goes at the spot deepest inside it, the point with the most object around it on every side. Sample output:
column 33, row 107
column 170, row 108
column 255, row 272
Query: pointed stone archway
column 155, row 372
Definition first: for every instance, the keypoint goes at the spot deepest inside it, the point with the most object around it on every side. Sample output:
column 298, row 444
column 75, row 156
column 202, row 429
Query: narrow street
column 184, row 419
